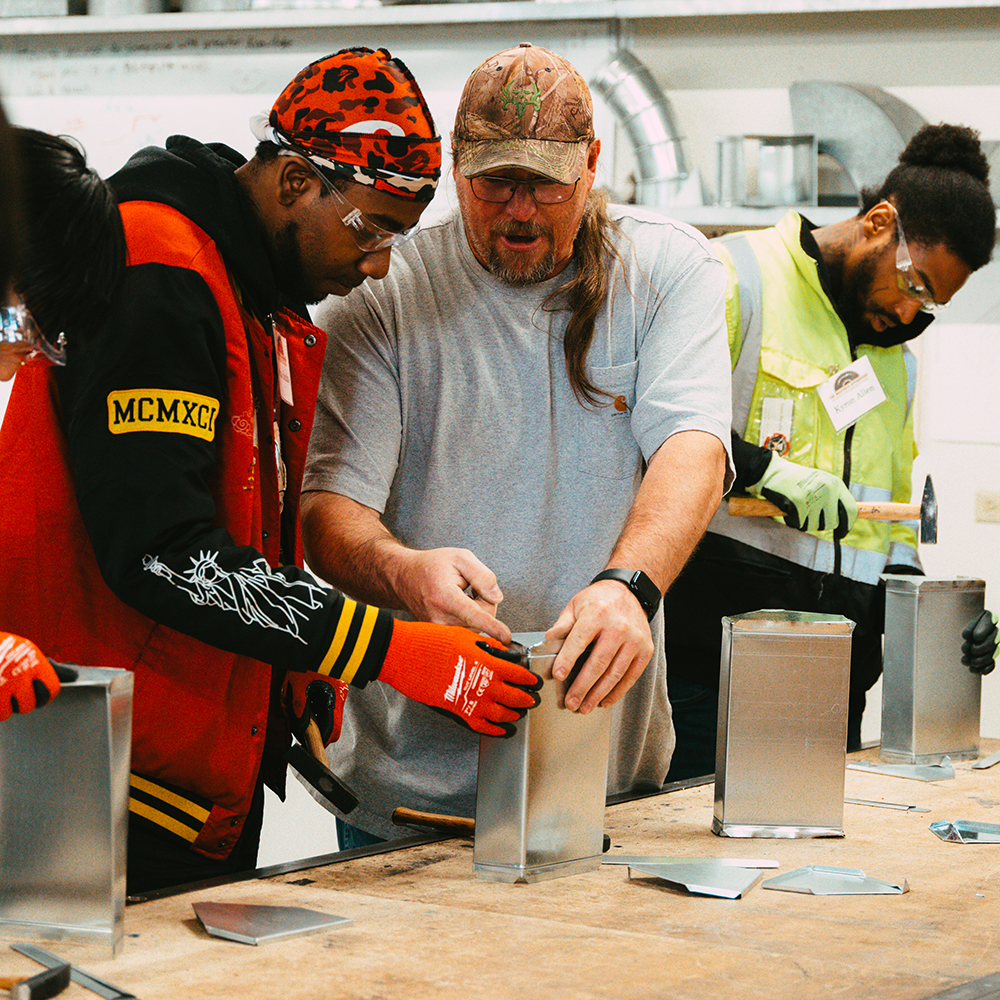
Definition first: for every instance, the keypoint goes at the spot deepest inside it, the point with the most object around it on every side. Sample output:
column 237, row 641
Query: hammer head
column 46, row 984
column 928, row 514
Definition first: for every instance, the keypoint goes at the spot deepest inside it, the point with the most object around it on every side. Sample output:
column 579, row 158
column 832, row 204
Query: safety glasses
column 369, row 237
column 907, row 279
column 18, row 328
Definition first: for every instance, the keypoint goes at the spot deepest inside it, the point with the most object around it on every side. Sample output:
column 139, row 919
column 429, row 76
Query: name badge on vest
column 851, row 393
column 284, row 369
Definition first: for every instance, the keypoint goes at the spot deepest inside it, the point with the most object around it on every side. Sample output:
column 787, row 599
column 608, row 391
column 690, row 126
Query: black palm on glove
column 979, row 650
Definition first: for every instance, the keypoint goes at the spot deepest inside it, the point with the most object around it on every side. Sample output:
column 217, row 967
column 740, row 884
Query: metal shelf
column 373, row 12
column 741, row 217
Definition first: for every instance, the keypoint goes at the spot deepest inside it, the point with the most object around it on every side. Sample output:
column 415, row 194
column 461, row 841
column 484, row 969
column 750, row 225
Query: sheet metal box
column 64, row 782
column 541, row 793
column 930, row 699
column 782, row 738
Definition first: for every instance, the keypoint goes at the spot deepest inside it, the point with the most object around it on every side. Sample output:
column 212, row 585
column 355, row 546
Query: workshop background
column 129, row 73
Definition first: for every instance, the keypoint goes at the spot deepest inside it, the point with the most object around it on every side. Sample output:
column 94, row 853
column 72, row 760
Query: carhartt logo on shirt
column 164, row 410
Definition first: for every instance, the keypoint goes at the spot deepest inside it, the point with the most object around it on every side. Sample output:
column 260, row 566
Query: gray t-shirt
column 445, row 404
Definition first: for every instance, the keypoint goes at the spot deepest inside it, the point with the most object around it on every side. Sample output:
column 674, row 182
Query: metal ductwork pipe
column 645, row 113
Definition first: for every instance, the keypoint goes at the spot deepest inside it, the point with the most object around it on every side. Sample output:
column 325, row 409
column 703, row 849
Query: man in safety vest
column 810, row 312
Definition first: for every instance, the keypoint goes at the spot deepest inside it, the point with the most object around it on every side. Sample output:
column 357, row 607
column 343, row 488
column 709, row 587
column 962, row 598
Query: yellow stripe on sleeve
column 178, row 802
column 162, row 819
column 340, row 637
column 361, row 646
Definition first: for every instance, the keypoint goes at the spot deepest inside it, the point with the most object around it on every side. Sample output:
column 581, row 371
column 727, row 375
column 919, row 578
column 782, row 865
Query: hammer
column 46, row 984
column 926, row 511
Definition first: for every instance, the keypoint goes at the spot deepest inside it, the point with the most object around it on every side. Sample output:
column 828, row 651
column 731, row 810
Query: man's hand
column 979, row 650
column 811, row 499
column 606, row 614
column 450, row 587
column 27, row 679
column 454, row 671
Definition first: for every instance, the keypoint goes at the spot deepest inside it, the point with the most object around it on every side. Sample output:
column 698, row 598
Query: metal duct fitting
column 863, row 128
column 645, row 113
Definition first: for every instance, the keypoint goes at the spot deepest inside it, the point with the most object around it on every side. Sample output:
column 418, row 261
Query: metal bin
column 64, row 781
column 782, row 738
column 930, row 699
column 541, row 793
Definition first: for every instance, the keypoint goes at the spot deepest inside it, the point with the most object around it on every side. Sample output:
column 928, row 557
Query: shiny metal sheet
column 64, row 811
column 966, row 831
column 821, row 880
column 250, row 923
column 930, row 699
column 782, row 725
column 540, row 794
column 702, row 877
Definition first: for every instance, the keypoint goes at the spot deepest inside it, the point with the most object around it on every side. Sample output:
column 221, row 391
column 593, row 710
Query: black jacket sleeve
column 751, row 463
column 147, row 503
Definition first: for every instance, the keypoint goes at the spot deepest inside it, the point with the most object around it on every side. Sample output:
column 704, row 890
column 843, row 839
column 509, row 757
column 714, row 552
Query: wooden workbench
column 423, row 926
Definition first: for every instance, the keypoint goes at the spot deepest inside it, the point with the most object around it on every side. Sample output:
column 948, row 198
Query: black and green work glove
column 810, row 499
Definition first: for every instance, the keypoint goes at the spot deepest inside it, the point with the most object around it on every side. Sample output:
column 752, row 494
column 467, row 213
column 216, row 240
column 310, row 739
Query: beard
column 288, row 266
column 852, row 304
column 508, row 266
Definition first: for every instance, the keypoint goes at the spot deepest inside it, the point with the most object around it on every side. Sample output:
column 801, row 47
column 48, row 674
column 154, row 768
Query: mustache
column 525, row 230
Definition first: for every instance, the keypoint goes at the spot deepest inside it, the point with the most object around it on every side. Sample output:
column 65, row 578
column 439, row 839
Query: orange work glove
column 308, row 695
column 451, row 669
column 27, row 679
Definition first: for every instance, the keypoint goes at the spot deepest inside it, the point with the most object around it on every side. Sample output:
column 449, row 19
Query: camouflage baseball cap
column 524, row 107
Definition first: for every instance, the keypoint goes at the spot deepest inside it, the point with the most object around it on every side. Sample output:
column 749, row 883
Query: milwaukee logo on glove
column 461, row 685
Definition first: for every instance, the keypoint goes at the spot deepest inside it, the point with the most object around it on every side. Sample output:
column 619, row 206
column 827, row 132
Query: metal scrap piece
column 703, row 878
column 887, row 805
column 919, row 772
column 639, row 859
column 994, row 758
column 252, row 924
column 821, row 880
column 966, row 831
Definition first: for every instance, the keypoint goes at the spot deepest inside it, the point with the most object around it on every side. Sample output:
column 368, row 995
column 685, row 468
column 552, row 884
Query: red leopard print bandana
column 362, row 114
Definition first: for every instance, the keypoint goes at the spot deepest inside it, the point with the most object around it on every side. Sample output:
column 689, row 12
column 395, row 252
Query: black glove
column 309, row 695
column 979, row 651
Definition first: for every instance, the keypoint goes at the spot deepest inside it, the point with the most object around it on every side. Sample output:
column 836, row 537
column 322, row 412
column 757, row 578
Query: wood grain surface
column 423, row 926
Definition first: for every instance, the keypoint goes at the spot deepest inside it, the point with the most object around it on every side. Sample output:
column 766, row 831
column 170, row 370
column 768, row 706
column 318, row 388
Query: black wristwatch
column 643, row 589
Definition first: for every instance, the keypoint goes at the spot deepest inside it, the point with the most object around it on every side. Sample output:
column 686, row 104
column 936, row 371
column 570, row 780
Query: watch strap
column 643, row 589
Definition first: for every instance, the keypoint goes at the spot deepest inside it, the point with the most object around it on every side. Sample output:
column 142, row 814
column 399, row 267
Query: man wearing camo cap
column 529, row 434
column 168, row 461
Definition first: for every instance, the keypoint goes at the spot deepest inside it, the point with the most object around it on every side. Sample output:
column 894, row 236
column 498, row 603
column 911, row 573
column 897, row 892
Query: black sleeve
column 147, row 502
column 751, row 463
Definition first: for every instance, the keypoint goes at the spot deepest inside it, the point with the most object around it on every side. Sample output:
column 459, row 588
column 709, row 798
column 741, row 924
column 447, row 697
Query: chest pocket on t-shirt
column 605, row 445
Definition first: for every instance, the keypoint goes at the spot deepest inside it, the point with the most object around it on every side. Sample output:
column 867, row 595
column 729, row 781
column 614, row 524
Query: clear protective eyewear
column 18, row 328
column 500, row 190
column 369, row 237
column 909, row 284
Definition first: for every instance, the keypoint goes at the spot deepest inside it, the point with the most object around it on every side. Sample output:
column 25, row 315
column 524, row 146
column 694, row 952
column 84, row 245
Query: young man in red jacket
column 158, row 474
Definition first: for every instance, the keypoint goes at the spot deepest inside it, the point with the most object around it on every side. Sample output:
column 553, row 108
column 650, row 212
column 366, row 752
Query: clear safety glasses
column 500, row 190
column 18, row 328
column 368, row 236
column 907, row 279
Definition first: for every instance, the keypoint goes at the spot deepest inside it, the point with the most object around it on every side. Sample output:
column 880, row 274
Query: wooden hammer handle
column 6, row 982
column 870, row 510
column 402, row 816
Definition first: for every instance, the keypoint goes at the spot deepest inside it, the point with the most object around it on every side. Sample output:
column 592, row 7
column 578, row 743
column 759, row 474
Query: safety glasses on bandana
column 18, row 328
column 369, row 237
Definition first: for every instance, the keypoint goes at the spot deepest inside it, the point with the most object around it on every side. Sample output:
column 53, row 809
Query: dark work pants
column 725, row 578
